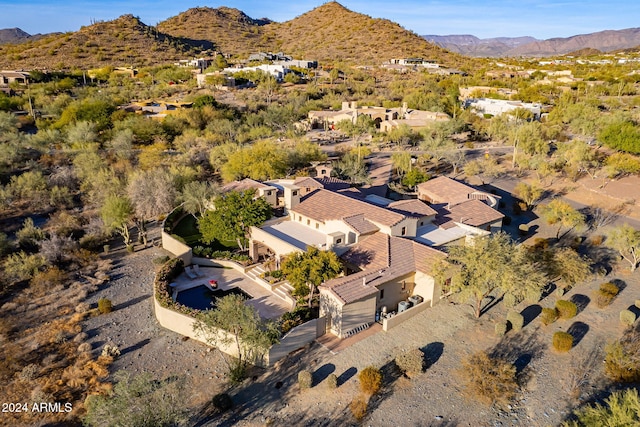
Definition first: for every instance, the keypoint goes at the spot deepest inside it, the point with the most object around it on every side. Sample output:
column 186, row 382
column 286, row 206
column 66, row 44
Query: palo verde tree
column 250, row 336
column 196, row 195
column 233, row 215
column 560, row 213
column 492, row 265
column 626, row 240
column 307, row 270
column 116, row 213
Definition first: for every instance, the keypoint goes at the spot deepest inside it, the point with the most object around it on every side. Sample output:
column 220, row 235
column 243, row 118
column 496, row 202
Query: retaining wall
column 296, row 338
column 394, row 321
column 177, row 248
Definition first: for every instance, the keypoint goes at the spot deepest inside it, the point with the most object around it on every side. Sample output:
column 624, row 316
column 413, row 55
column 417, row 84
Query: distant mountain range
column 16, row 35
column 603, row 41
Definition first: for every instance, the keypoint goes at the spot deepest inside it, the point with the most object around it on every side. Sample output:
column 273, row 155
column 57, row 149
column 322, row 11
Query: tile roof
column 245, row 184
column 444, row 189
column 383, row 258
column 472, row 212
column 323, row 205
column 359, row 224
column 413, row 207
column 326, row 182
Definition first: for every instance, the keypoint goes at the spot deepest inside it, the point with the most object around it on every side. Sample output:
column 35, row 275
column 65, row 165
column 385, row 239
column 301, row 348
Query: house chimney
column 323, row 171
column 345, row 105
column 404, row 109
column 291, row 196
column 354, row 105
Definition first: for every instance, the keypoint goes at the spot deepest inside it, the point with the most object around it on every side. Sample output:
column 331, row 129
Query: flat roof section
column 297, row 234
column 432, row 235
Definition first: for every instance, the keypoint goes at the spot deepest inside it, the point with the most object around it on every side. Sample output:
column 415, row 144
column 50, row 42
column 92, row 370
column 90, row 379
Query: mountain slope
column 226, row 29
column 467, row 44
column 123, row 41
column 13, row 35
column 604, row 41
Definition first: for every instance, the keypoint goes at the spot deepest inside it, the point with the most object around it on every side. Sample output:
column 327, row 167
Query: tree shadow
column 136, row 346
column 548, row 290
column 530, row 313
column 578, row 330
column 346, row 375
column 602, row 259
column 635, row 310
column 621, row 284
column 520, row 349
column 323, row 372
column 492, row 303
column 581, row 301
column 131, row 302
column 432, row 353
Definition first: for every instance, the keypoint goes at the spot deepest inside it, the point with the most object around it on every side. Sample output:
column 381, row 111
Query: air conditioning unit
column 415, row 299
column 403, row 306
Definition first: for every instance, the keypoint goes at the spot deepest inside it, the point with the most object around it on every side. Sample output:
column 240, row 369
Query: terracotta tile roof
column 472, row 212
column 323, row 205
column 444, row 189
column 359, row 224
column 326, row 182
column 245, row 184
column 383, row 258
column 413, row 207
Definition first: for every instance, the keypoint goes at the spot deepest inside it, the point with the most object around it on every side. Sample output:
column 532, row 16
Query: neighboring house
column 495, row 107
column 468, row 92
column 199, row 63
column 155, row 109
column 414, row 62
column 384, row 118
column 9, row 77
column 269, row 192
column 277, row 71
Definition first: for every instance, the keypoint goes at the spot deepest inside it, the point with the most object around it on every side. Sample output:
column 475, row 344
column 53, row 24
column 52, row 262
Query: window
column 300, row 218
column 381, row 293
column 308, row 222
column 338, row 241
column 308, row 189
column 295, row 192
column 269, row 193
column 323, row 172
column 404, row 230
column 421, row 223
column 317, row 225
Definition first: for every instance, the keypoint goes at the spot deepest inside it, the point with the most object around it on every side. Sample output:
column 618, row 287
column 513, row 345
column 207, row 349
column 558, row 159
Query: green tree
column 626, row 240
column 233, row 215
column 139, row 401
column 560, row 213
column 528, row 193
column 262, row 160
column 621, row 134
column 621, row 409
column 116, row 213
column 246, row 332
column 414, row 177
column 307, row 270
column 196, row 195
column 402, row 162
column 492, row 264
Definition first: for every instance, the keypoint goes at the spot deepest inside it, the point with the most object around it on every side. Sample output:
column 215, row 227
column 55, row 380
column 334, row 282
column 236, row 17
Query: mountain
column 329, row 32
column 123, row 41
column 13, row 35
column 226, row 29
column 604, row 41
column 470, row 45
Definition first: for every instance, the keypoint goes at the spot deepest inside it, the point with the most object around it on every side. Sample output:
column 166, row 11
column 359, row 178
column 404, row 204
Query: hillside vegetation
column 123, row 41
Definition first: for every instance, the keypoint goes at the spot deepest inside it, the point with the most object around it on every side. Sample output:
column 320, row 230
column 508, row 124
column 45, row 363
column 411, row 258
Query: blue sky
column 483, row 18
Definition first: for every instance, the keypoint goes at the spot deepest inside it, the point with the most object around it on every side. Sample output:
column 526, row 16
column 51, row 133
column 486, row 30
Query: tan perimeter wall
column 394, row 321
column 177, row 248
column 297, row 338
column 206, row 262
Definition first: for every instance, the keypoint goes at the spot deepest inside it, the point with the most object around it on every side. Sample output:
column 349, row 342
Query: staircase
column 356, row 330
column 281, row 289
column 255, row 272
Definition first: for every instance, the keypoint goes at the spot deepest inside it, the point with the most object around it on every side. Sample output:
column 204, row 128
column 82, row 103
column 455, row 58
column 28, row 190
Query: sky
column 483, row 18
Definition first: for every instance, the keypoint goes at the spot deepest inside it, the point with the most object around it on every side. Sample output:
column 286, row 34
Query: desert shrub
column 622, row 359
column 358, row 407
column 22, row 266
column 562, row 341
column 410, row 361
column 516, row 319
column 501, row 328
column 566, row 309
column 597, row 240
column 332, row 382
column 548, row 315
column 622, row 409
column 370, row 380
column 291, row 319
column 105, row 306
column 490, row 380
column 606, row 294
column 82, row 307
column 222, row 402
column 81, row 337
column 161, row 260
column 29, row 372
column 523, row 229
column 627, row 317
column 305, row 379
column 110, row 351
column 45, row 281
column 85, row 347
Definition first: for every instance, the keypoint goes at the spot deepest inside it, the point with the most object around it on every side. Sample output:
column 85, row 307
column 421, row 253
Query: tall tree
column 307, row 270
column 196, row 195
column 560, row 213
column 233, row 215
column 529, row 193
column 493, row 264
column 116, row 213
column 250, row 336
column 626, row 240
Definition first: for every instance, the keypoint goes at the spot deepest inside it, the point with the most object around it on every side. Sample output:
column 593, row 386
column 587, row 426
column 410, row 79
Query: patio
column 268, row 305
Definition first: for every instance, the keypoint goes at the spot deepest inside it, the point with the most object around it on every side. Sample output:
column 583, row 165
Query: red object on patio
column 213, row 283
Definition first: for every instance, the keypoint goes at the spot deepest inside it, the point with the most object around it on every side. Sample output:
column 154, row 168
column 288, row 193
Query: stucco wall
column 177, row 248
column 393, row 292
column 394, row 321
column 425, row 286
column 296, row 338
column 358, row 313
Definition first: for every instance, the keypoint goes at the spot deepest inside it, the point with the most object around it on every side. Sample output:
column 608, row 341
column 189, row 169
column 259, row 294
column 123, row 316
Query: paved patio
column 269, row 306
